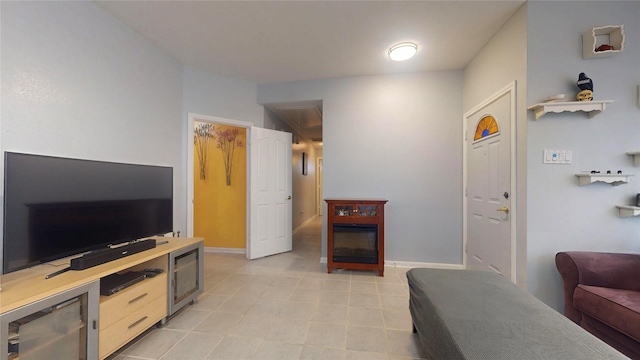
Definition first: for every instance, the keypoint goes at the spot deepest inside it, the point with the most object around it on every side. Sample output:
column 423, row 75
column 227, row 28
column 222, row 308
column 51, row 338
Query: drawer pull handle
column 138, row 298
column 138, row 322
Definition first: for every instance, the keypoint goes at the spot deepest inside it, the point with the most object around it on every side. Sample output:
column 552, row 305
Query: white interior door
column 489, row 211
column 270, row 193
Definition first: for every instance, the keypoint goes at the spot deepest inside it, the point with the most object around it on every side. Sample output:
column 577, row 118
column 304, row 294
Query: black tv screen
column 56, row 207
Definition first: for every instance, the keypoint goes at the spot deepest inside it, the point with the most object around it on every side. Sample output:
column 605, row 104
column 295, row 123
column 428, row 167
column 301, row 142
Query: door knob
column 504, row 208
column 289, row 197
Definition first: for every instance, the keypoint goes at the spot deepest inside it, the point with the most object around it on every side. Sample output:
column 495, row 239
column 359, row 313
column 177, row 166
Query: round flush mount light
column 403, row 51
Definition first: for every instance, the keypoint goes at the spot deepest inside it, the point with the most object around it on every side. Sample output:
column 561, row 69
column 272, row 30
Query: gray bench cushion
column 463, row 314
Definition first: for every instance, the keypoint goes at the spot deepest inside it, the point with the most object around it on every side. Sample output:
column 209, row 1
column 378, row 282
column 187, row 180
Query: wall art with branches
column 228, row 141
column 203, row 137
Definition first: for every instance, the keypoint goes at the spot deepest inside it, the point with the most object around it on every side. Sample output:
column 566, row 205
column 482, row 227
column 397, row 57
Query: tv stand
column 123, row 315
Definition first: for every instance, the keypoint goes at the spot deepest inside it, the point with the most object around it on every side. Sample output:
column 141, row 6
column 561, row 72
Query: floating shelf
column 592, row 107
column 610, row 35
column 628, row 211
column 636, row 157
column 613, row 179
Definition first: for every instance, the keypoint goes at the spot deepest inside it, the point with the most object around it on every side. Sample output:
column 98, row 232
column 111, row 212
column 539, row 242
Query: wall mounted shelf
column 636, row 157
column 613, row 179
column 591, row 107
column 628, row 211
column 610, row 35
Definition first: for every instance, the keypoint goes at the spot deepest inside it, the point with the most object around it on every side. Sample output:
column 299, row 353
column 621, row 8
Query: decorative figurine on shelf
column 586, row 86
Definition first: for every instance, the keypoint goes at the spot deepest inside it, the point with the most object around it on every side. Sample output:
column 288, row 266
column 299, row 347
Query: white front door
column 270, row 193
column 489, row 210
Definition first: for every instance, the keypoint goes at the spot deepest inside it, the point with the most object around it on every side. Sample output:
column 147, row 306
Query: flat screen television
column 57, row 207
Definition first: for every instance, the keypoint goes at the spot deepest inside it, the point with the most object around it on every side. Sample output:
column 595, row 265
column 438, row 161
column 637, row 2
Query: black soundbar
column 99, row 257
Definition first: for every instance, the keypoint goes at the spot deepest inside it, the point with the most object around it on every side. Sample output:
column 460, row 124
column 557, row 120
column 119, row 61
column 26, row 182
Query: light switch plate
column 557, row 157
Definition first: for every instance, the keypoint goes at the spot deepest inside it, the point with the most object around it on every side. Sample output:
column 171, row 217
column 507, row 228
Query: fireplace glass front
column 355, row 243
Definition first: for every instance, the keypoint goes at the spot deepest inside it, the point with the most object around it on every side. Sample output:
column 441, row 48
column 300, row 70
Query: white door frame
column 319, row 186
column 190, row 164
column 511, row 90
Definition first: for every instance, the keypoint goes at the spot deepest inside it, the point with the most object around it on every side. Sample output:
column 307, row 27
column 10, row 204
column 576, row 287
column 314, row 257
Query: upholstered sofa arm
column 611, row 270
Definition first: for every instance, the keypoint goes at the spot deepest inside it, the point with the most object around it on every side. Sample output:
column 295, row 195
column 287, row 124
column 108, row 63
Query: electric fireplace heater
column 355, row 243
column 355, row 238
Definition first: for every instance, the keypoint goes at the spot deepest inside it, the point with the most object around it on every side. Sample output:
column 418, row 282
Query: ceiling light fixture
column 403, row 51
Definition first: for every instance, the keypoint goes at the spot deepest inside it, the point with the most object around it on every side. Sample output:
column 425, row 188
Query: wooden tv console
column 112, row 320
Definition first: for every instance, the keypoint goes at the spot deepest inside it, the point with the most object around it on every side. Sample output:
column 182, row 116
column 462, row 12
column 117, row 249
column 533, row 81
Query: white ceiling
column 281, row 41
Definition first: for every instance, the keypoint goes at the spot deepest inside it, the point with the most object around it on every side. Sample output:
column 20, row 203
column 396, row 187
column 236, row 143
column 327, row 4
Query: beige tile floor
column 286, row 306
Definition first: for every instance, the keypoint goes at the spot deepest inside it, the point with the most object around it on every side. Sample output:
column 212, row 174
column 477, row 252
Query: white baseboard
column 304, row 224
column 225, row 250
column 407, row 264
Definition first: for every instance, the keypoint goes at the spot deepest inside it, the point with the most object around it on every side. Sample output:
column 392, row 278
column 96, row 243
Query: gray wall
column 395, row 137
column 77, row 83
column 215, row 95
column 502, row 61
column 562, row 215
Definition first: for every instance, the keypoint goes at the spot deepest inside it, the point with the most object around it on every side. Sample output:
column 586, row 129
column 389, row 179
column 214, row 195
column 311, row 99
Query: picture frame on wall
column 304, row 163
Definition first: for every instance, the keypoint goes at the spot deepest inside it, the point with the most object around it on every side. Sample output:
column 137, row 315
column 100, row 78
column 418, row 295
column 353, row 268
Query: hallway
column 286, row 306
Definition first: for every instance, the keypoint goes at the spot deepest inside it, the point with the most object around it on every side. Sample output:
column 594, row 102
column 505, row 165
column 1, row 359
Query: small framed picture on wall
column 304, row 163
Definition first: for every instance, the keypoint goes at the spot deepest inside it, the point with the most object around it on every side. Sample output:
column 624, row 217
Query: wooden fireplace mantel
column 355, row 211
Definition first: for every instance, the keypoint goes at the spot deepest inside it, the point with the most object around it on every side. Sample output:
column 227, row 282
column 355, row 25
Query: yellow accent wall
column 220, row 209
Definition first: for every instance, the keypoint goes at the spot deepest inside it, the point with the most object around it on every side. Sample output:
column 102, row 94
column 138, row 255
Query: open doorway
column 303, row 119
column 246, row 207
column 218, row 180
